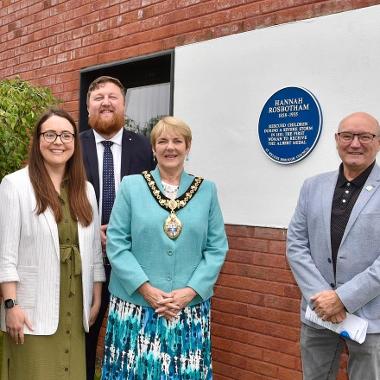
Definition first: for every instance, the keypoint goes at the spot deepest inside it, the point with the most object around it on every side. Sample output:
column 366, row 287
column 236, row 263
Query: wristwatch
column 9, row 303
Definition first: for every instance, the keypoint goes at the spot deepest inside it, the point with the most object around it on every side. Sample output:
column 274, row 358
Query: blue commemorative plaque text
column 290, row 124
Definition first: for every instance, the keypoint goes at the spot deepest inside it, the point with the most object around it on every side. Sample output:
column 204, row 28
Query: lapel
column 81, row 240
column 91, row 160
column 184, row 183
column 327, row 194
column 126, row 147
column 369, row 189
column 49, row 216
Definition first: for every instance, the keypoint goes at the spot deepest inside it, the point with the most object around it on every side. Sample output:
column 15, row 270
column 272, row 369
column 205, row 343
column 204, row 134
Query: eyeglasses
column 51, row 136
column 348, row 137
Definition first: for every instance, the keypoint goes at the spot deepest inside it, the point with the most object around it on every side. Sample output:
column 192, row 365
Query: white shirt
column 116, row 153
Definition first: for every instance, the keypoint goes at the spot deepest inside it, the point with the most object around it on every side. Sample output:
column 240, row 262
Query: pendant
column 172, row 226
column 172, row 203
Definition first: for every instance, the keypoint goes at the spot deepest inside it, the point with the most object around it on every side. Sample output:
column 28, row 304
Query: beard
column 106, row 127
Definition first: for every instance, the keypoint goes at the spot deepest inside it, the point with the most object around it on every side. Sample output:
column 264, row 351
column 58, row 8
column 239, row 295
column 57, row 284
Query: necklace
column 172, row 225
column 170, row 190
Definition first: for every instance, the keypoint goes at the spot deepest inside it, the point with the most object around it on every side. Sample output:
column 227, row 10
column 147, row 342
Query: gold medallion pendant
column 172, row 226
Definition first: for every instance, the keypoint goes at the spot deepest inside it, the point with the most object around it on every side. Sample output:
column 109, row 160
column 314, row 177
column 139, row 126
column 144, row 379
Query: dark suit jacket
column 136, row 156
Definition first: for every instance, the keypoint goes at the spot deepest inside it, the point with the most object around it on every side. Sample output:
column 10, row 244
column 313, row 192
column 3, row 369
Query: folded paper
column 353, row 327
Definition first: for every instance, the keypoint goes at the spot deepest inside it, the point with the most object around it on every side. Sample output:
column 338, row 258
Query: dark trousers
column 92, row 336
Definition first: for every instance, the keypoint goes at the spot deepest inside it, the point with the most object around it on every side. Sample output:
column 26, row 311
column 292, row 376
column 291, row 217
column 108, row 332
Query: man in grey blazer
column 130, row 154
column 333, row 249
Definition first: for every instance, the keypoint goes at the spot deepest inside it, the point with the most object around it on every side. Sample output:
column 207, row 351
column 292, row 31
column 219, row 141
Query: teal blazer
column 139, row 250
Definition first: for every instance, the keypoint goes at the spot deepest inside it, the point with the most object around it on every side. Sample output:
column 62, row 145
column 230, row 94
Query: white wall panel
column 221, row 86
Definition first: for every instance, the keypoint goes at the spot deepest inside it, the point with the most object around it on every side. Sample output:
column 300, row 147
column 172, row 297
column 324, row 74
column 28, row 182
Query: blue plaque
column 290, row 125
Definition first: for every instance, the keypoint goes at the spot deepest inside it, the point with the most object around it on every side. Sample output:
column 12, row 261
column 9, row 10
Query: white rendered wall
column 221, row 86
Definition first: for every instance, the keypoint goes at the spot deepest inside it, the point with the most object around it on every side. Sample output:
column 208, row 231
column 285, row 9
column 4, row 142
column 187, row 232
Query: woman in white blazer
column 50, row 257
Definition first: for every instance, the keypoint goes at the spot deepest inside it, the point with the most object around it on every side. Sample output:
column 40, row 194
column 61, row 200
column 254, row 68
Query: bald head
column 358, row 118
column 357, row 142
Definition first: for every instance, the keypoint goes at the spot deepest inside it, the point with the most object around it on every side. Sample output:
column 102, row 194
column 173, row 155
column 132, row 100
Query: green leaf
column 21, row 103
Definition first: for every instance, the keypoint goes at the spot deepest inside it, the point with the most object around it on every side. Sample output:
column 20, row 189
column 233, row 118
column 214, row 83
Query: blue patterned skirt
column 140, row 345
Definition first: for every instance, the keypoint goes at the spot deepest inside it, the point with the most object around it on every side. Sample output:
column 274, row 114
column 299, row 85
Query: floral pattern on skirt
column 140, row 345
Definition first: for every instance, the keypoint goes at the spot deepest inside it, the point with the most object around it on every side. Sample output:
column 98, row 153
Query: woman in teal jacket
column 166, row 244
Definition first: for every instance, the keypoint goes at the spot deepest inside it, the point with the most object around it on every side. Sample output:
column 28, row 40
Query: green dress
column 61, row 355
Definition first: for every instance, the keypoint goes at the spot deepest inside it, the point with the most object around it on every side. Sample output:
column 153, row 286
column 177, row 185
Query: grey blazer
column 357, row 280
column 29, row 254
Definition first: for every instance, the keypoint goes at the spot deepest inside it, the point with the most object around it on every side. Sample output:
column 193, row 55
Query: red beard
column 106, row 127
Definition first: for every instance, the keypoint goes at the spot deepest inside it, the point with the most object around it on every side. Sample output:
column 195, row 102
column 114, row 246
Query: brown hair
column 171, row 123
column 80, row 207
column 95, row 84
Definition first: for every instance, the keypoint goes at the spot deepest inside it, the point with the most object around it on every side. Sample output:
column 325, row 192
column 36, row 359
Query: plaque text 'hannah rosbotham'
column 290, row 125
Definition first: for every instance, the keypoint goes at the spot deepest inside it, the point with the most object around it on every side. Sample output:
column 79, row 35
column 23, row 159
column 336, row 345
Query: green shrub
column 20, row 106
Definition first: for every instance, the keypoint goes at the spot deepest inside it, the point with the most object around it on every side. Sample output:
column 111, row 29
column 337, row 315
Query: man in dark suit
column 109, row 152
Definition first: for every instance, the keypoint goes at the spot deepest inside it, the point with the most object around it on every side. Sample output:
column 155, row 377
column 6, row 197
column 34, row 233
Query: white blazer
column 29, row 254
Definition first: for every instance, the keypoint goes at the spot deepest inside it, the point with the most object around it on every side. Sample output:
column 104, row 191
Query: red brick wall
column 49, row 41
column 255, row 309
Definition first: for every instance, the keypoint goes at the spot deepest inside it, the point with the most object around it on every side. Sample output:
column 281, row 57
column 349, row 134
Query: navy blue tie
column 108, row 182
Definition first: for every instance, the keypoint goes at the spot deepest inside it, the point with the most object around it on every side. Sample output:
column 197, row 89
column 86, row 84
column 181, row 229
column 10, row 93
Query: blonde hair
column 173, row 124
